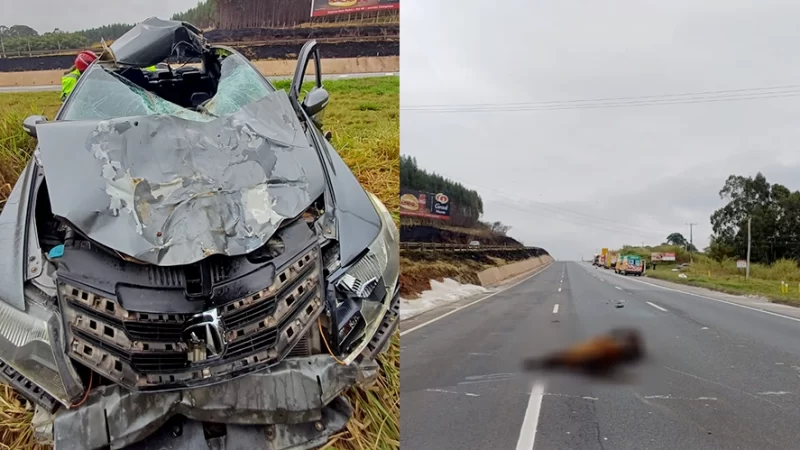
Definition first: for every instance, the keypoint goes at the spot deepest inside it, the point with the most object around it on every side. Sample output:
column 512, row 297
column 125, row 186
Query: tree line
column 21, row 39
column 466, row 204
column 204, row 15
column 17, row 40
column 774, row 214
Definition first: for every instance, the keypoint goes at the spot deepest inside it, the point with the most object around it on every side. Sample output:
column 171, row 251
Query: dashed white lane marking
column 559, row 289
column 584, row 397
column 774, row 393
column 527, row 435
column 555, row 309
column 671, row 397
column 656, row 306
column 602, row 279
column 435, row 319
column 719, row 300
column 444, row 391
column 618, row 287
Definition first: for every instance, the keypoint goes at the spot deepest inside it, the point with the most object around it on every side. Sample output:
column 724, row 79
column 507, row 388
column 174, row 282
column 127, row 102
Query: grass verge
column 765, row 280
column 363, row 116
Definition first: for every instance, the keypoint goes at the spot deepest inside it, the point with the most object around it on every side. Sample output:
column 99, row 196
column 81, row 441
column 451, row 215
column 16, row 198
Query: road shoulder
column 740, row 300
column 440, row 311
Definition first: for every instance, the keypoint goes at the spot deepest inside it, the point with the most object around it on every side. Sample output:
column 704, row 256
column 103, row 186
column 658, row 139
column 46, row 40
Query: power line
column 745, row 91
column 586, row 223
column 683, row 101
column 619, row 226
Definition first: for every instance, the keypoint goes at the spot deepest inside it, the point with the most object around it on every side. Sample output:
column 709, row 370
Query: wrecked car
column 187, row 261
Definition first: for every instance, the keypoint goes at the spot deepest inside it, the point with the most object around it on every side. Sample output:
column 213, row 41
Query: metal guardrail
column 438, row 247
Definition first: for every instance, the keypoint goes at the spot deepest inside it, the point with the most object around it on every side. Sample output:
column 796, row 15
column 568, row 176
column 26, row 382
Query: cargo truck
column 629, row 264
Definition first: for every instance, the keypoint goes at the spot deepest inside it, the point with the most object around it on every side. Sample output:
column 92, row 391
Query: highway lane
column 718, row 375
column 271, row 78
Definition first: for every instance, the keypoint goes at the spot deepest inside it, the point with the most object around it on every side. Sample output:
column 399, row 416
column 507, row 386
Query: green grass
column 363, row 116
column 765, row 280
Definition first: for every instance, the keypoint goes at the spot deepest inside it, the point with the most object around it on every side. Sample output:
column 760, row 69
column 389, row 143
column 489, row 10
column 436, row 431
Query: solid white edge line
column 555, row 309
column 656, row 306
column 527, row 435
column 718, row 300
column 403, row 333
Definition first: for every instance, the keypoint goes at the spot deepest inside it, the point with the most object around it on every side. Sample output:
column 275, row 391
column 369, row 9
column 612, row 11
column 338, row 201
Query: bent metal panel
column 424, row 204
column 321, row 8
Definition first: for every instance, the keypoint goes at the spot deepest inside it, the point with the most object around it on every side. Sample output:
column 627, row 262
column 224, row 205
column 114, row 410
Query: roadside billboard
column 424, row 204
column 658, row 256
column 604, row 252
column 320, row 8
column 741, row 263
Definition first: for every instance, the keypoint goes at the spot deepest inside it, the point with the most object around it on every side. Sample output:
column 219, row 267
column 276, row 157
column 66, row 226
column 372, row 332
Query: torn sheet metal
column 171, row 191
column 154, row 40
column 191, row 435
column 295, row 392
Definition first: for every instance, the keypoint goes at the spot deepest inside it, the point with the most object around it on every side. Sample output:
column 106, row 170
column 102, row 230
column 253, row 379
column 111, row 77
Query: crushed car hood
column 170, row 191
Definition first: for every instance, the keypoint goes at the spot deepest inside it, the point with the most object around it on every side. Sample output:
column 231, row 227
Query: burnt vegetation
column 263, row 29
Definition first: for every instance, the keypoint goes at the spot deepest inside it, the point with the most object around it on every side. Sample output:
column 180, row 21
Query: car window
column 240, row 84
column 106, row 95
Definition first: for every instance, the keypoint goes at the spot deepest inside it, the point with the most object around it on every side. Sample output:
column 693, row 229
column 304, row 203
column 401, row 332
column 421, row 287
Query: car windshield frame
column 240, row 84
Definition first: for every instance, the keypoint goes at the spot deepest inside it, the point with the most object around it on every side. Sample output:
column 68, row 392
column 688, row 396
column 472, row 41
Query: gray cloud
column 46, row 15
column 650, row 168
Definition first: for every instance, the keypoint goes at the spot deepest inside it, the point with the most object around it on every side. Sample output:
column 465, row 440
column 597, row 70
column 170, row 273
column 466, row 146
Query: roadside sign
column 604, row 252
column 669, row 256
column 741, row 264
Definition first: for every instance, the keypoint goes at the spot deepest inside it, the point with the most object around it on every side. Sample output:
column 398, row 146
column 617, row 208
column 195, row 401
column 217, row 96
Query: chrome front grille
column 146, row 351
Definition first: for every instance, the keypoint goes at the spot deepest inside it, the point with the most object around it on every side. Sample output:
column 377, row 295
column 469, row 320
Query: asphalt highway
column 271, row 78
column 719, row 374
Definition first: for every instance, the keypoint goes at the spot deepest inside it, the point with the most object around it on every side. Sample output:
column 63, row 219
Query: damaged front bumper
column 297, row 404
column 293, row 405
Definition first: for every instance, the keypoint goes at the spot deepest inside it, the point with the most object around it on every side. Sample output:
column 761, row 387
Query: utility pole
column 747, row 271
column 691, row 242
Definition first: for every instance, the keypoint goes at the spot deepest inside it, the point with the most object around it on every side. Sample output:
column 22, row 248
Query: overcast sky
column 574, row 180
column 46, row 15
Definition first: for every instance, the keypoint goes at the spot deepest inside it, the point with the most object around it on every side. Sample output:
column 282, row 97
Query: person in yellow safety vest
column 70, row 78
column 151, row 68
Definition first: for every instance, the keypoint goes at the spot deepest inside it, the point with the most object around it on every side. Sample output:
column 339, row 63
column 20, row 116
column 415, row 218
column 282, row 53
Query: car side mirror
column 30, row 123
column 316, row 101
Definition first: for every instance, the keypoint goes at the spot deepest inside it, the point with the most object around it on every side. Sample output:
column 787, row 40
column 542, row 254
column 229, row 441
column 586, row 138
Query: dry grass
column 364, row 118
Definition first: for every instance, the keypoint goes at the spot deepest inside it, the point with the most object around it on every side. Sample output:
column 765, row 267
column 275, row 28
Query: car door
column 317, row 98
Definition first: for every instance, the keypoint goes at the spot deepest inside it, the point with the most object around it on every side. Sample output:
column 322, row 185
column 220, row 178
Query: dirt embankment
column 418, row 268
column 426, row 233
column 328, row 32
column 330, row 50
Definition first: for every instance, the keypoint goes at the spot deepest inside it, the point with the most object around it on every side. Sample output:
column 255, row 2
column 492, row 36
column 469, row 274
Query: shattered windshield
column 107, row 95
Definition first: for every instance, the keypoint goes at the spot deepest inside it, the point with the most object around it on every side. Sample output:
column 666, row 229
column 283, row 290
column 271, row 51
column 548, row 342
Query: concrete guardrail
column 438, row 247
column 501, row 273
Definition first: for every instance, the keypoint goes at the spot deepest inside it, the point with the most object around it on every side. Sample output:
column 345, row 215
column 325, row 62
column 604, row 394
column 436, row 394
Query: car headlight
column 27, row 344
column 374, row 278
